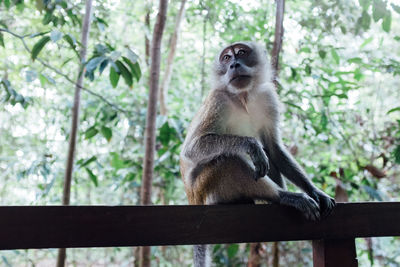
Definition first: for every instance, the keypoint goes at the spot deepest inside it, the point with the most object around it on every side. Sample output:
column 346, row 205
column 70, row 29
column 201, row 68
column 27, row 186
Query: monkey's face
column 236, row 65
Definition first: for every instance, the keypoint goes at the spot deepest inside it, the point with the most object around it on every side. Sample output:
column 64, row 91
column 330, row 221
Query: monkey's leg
column 201, row 256
column 232, row 180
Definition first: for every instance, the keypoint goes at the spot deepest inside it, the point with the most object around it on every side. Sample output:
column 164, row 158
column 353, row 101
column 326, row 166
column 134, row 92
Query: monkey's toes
column 310, row 209
column 326, row 206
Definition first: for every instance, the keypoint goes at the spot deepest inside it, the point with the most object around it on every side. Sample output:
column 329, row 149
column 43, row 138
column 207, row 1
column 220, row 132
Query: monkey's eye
column 226, row 57
column 241, row 52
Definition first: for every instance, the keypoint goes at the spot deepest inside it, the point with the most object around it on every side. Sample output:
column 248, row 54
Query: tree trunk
column 280, row 9
column 170, row 61
column 147, row 31
column 150, row 134
column 75, row 120
column 203, row 54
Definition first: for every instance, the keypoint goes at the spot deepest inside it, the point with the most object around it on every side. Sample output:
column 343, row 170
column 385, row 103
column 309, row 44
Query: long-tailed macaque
column 233, row 152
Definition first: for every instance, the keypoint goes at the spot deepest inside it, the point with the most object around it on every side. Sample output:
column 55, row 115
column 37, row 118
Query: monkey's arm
column 288, row 166
column 205, row 148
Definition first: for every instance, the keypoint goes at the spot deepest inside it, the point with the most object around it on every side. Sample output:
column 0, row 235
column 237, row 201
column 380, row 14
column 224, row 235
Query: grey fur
column 233, row 149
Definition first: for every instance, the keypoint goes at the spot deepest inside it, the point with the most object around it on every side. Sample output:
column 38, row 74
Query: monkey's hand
column 326, row 203
column 259, row 158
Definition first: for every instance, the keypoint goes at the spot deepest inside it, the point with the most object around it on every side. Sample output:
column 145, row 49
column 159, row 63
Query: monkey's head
column 240, row 66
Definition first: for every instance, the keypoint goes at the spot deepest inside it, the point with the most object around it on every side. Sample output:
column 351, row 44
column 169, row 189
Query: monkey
column 233, row 151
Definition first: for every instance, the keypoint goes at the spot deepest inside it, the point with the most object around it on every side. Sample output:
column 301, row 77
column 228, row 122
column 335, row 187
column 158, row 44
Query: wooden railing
column 23, row 227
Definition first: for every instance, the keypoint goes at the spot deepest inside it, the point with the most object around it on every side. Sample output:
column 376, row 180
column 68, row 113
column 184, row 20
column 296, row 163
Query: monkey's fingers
column 260, row 169
column 326, row 206
column 310, row 209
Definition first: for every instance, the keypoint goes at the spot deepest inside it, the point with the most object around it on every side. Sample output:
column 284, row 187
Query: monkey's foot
column 326, row 203
column 301, row 202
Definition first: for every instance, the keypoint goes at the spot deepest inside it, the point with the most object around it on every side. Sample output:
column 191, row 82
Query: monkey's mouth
column 239, row 77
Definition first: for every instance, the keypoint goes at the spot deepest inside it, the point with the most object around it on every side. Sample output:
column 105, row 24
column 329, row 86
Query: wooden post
column 334, row 252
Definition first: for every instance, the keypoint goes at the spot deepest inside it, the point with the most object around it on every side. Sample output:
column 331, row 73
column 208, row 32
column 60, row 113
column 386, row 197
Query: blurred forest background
column 338, row 80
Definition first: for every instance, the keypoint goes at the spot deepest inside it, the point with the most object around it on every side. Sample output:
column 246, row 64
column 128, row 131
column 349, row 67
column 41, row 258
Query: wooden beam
column 105, row 226
column 333, row 253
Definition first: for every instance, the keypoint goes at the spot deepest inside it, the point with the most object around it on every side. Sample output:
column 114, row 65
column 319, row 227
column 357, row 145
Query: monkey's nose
column 235, row 65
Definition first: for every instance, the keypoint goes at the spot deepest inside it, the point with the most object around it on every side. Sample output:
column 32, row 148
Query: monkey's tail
column 201, row 256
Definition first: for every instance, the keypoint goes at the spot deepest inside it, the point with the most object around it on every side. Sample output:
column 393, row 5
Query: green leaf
column 393, row 110
column 103, row 65
column 365, row 20
column 396, row 8
column 1, row 39
column 308, row 69
column 30, row 75
column 47, row 18
column 92, row 177
column 165, row 134
column 116, row 161
column 136, row 71
column 335, row 56
column 356, row 60
column 396, row 153
column 305, row 50
column 92, row 131
column 72, row 43
column 39, row 46
column 114, row 77
column 367, row 41
column 293, row 105
column 387, row 21
column 378, row 9
column 70, row 40
column 358, row 74
column 83, row 163
column 93, row 63
column 132, row 56
column 232, row 250
column 364, row 4
column 322, row 53
column 56, row 35
column 134, row 67
column 125, row 73
column 324, row 121
column 7, row 3
column 106, row 132
column 44, row 77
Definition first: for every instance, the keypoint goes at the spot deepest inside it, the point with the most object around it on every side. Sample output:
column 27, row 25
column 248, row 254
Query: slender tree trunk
column 150, row 134
column 170, row 61
column 280, row 9
column 75, row 121
column 146, row 34
column 203, row 54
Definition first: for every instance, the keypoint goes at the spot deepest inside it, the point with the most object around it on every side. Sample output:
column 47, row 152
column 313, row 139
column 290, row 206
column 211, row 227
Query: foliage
column 338, row 81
